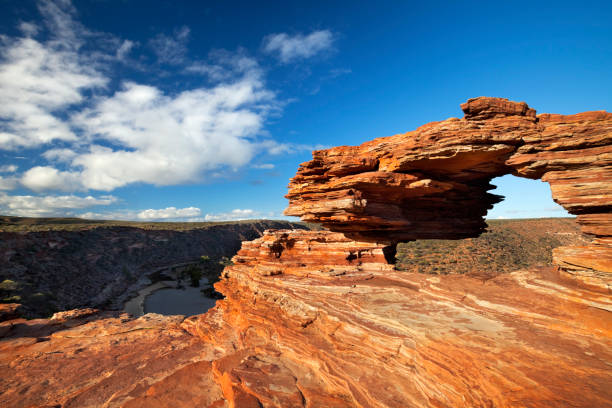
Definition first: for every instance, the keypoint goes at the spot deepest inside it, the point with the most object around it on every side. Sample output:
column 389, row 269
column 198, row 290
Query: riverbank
column 186, row 301
column 135, row 306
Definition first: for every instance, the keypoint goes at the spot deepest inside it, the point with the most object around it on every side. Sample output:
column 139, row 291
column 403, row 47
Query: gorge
column 323, row 319
column 56, row 265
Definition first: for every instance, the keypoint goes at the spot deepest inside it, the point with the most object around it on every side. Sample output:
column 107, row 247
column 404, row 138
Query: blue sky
column 203, row 110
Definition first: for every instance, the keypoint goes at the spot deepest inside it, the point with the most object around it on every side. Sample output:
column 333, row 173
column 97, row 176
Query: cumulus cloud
column 37, row 80
column 139, row 133
column 49, row 206
column 60, row 155
column 169, row 213
column 289, row 48
column 171, row 49
column 165, row 139
column 42, row 178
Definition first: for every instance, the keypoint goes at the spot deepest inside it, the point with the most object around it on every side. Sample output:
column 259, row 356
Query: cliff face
column 60, row 270
column 319, row 319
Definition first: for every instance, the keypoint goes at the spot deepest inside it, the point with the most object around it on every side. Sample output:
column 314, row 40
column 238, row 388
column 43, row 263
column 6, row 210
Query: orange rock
column 332, row 329
column 347, row 335
column 433, row 182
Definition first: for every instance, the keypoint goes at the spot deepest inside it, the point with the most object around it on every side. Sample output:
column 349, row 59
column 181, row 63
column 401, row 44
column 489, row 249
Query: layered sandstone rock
column 433, row 182
column 311, row 319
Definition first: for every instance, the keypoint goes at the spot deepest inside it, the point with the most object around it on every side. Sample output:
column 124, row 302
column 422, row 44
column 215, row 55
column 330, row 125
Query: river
column 164, row 298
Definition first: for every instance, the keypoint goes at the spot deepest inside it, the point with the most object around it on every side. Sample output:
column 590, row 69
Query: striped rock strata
column 312, row 319
column 433, row 182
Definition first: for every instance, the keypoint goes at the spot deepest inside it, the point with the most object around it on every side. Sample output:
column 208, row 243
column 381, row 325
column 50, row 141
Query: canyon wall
column 61, row 270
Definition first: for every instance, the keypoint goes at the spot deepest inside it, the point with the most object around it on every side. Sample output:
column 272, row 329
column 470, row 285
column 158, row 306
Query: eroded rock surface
column 433, row 182
column 307, row 322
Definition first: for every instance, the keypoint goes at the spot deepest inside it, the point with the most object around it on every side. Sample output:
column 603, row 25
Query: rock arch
column 434, row 182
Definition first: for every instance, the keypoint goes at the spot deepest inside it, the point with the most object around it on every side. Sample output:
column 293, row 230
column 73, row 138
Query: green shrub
column 195, row 274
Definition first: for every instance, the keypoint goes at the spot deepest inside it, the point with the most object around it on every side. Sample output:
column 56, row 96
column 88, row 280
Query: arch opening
column 524, row 198
column 522, row 230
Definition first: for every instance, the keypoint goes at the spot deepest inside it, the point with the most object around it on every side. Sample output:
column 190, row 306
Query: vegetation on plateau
column 508, row 245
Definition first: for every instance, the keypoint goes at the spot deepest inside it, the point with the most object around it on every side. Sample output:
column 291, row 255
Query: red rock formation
column 371, row 336
column 308, row 322
column 433, row 182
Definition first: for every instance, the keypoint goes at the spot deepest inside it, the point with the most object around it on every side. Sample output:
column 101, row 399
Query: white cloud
column 42, row 178
column 224, row 66
column 48, row 206
column 169, row 213
column 189, row 214
column 37, row 80
column 57, row 16
column 60, row 155
column 275, row 148
column 166, row 140
column 171, row 49
column 8, row 183
column 336, row 72
column 28, row 29
column 291, row 48
column 11, row 182
column 8, row 168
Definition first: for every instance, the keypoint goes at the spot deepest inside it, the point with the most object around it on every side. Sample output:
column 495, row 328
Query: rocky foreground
column 317, row 319
column 312, row 319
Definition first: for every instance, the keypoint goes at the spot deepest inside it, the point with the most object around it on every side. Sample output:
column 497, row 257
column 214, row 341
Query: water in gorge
column 186, row 301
